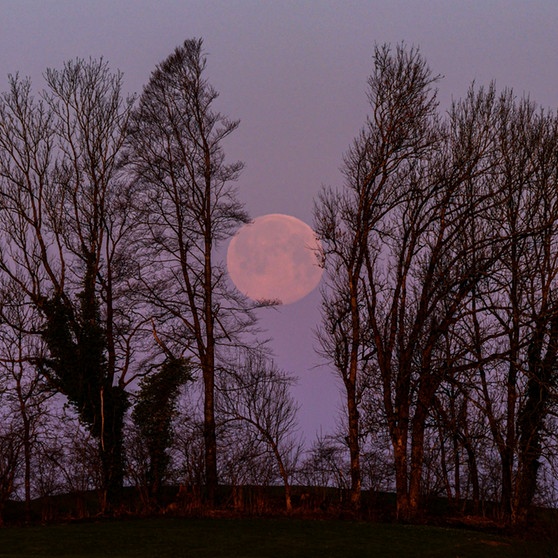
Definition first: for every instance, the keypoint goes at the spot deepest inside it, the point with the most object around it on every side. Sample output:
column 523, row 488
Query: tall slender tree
column 187, row 206
column 26, row 390
column 521, row 301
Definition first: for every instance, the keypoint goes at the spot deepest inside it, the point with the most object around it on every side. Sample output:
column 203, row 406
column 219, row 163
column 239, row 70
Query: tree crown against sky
column 420, row 250
column 187, row 204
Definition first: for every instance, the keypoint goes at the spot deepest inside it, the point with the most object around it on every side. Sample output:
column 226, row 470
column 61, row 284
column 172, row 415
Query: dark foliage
column 153, row 414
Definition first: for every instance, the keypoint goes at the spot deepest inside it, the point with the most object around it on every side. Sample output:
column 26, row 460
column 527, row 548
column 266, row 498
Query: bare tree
column 398, row 134
column 26, row 389
column 64, row 224
column 522, row 299
column 189, row 206
column 189, row 454
column 256, row 395
column 509, row 328
column 325, row 466
column 397, row 249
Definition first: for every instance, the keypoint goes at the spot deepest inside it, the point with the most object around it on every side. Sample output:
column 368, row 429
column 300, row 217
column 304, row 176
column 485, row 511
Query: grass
column 255, row 538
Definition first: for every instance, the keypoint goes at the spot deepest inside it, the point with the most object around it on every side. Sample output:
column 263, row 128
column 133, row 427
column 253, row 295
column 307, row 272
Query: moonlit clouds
column 274, row 258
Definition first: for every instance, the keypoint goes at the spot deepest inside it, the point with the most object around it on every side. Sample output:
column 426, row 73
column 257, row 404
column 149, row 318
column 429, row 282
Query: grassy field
column 251, row 538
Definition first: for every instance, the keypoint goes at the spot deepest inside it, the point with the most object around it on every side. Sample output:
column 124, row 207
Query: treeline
column 127, row 358
column 440, row 312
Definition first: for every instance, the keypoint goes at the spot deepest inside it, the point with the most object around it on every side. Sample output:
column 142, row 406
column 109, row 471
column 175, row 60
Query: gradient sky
column 294, row 73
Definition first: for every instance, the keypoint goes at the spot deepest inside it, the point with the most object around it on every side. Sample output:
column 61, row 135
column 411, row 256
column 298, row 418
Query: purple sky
column 295, row 73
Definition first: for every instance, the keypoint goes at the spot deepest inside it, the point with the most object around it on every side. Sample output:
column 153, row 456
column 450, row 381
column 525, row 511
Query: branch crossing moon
column 275, row 257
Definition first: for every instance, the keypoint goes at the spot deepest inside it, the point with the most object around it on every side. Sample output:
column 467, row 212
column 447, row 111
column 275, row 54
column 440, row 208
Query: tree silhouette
column 187, row 206
column 153, row 413
column 63, row 223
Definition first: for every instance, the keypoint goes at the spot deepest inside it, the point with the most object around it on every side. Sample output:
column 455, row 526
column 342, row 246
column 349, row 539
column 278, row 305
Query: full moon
column 275, row 257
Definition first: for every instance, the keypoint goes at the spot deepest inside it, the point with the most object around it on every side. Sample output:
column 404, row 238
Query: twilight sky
column 294, row 73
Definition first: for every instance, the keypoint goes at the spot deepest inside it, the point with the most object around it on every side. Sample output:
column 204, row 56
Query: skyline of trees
column 440, row 252
column 439, row 306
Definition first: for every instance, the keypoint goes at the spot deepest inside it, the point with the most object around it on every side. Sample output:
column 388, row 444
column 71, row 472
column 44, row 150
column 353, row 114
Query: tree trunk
column 354, row 448
column 401, row 480
column 506, row 456
column 417, row 461
column 532, row 418
column 114, row 405
column 27, row 459
column 529, row 453
column 210, row 438
column 474, row 476
column 26, row 446
column 456, row 469
column 287, row 484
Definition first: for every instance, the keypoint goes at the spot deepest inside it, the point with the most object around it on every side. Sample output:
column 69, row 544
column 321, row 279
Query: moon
column 275, row 258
